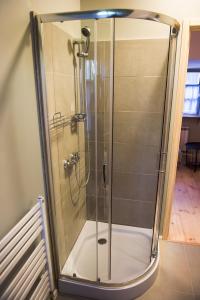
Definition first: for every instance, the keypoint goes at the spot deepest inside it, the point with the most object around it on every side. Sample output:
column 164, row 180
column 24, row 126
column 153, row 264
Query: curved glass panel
column 70, row 73
column 140, row 79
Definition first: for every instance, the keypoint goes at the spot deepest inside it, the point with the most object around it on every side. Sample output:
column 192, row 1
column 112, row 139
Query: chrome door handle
column 104, row 174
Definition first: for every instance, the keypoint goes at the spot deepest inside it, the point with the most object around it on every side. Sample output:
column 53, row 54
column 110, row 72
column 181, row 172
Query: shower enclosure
column 104, row 86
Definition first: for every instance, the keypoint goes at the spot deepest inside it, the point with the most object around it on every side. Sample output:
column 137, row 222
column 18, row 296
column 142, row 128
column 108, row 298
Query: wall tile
column 141, row 57
column 133, row 213
column 64, row 94
column 47, row 46
column 62, row 52
column 104, row 58
column 127, row 58
column 135, row 186
column 91, row 122
column 102, row 209
column 100, row 155
column 139, row 93
column 50, row 94
column 138, row 128
column 124, row 212
column 135, row 158
column 102, row 93
column 154, row 55
column 91, row 187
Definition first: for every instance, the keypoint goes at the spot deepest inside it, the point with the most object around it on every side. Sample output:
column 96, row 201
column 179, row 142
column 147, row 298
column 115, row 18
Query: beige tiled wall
column 70, row 200
column 139, row 94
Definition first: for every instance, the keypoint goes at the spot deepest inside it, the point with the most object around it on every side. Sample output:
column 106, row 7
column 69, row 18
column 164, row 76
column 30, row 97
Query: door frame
column 176, row 119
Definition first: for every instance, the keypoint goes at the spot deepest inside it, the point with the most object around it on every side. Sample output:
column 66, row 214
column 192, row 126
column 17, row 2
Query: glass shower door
column 99, row 99
column 141, row 72
column 104, row 127
column 71, row 89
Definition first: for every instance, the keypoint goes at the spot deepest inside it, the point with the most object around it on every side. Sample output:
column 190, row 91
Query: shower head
column 85, row 31
column 85, row 43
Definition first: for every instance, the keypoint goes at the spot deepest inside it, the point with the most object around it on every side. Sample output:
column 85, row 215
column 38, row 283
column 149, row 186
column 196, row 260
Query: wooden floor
column 185, row 218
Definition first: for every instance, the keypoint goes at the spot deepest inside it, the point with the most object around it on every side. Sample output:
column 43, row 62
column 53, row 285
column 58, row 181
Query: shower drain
column 102, row 241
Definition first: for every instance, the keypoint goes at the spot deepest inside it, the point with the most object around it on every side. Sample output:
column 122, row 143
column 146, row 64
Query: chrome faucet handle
column 76, row 156
column 72, row 160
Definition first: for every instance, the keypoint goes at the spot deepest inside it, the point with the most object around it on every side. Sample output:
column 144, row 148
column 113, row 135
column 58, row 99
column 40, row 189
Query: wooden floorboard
column 185, row 218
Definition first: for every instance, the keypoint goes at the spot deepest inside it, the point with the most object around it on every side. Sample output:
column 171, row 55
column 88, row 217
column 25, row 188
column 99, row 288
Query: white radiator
column 25, row 262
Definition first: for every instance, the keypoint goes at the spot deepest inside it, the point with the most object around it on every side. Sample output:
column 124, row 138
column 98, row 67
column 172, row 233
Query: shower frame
column 36, row 21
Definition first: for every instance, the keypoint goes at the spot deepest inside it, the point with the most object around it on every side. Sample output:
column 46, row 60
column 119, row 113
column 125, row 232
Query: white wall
column 20, row 159
column 48, row 6
column 175, row 8
column 129, row 28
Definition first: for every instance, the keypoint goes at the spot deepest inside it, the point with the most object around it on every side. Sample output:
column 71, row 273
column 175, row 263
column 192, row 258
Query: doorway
column 185, row 215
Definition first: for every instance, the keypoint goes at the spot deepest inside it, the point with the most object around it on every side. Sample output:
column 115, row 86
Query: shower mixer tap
column 79, row 117
column 72, row 160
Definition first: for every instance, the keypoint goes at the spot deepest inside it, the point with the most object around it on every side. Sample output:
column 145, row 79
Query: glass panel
column 70, row 77
column 104, row 30
column 140, row 64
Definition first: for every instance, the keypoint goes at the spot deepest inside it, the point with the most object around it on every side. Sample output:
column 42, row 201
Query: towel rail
column 20, row 234
column 44, row 282
column 39, row 250
column 18, row 226
column 25, row 259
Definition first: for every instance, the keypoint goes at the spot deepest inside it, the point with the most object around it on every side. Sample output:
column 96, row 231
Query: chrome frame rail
column 165, row 139
column 110, row 13
column 44, row 134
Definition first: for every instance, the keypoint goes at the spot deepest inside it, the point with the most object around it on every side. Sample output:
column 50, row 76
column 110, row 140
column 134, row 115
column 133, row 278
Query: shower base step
column 130, row 253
